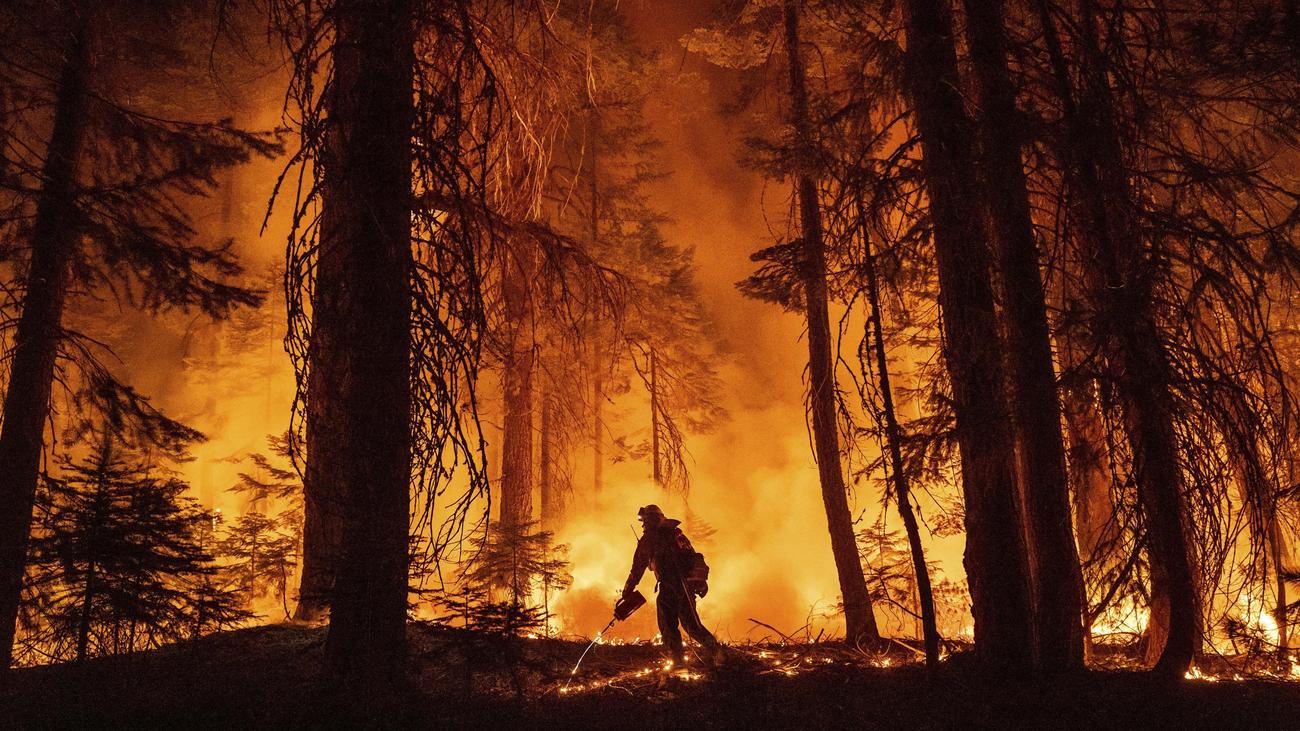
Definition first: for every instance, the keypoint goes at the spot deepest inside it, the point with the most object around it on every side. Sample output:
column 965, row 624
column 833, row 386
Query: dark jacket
column 661, row 549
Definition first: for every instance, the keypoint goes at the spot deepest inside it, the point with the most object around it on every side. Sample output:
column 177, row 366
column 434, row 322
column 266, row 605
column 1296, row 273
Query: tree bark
column 859, row 616
column 1094, row 511
column 369, row 174
column 1118, row 282
column 893, row 442
column 517, row 381
column 1053, row 559
column 1277, row 553
column 549, row 476
column 996, row 567
column 657, row 471
column 597, row 359
column 1096, row 527
column 597, row 422
column 36, row 341
column 323, row 487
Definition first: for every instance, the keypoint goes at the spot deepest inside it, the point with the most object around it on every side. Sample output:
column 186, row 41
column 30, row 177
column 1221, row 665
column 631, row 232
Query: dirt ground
column 269, row 677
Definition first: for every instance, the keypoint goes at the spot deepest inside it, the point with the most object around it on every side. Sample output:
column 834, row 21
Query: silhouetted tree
column 114, row 558
column 103, row 176
column 261, row 553
column 995, row 551
column 858, row 614
column 1052, row 558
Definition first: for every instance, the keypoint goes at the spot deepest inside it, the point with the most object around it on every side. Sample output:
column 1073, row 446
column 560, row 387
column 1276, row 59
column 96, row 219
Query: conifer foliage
column 117, row 559
column 103, row 165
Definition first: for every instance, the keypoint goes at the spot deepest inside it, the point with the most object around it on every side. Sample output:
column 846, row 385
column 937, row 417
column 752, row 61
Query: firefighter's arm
column 640, row 561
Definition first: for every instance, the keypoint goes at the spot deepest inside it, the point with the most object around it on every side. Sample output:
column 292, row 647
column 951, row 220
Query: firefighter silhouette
column 681, row 574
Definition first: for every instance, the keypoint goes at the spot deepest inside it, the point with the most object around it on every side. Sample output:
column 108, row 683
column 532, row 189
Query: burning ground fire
column 786, row 660
column 794, row 660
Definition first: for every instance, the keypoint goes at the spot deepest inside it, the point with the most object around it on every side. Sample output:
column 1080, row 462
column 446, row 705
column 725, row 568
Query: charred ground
column 270, row 677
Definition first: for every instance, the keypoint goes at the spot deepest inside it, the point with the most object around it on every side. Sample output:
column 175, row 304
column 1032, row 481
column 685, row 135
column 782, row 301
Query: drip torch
column 623, row 609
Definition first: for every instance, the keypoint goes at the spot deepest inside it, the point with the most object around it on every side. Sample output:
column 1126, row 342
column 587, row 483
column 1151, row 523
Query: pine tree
column 796, row 273
column 1132, row 342
column 507, row 563
column 995, row 549
column 893, row 438
column 1052, row 558
column 261, row 553
column 266, row 549
column 117, row 555
column 858, row 611
column 104, row 177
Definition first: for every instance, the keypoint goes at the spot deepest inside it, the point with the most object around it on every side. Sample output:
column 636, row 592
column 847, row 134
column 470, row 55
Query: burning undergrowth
column 532, row 668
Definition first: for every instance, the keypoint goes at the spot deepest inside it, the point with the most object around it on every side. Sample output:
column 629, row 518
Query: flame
column 1125, row 619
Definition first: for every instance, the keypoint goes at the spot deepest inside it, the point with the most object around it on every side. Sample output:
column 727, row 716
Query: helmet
column 650, row 510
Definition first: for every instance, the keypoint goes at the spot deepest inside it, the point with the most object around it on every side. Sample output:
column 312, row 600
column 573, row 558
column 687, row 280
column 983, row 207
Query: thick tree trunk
column 859, row 616
column 323, row 487
column 893, row 442
column 1118, row 280
column 1096, row 527
column 996, row 567
column 36, row 341
column 517, row 383
column 1053, row 559
column 1094, row 511
column 549, row 476
column 368, row 171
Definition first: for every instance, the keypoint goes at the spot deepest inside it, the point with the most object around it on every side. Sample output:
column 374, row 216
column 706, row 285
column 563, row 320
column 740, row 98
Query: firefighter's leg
column 695, row 628
column 669, row 614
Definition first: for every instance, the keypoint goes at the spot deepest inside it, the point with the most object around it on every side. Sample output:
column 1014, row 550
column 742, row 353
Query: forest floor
column 269, row 677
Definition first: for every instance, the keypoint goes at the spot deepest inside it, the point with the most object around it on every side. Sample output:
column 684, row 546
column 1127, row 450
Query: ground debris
column 270, row 677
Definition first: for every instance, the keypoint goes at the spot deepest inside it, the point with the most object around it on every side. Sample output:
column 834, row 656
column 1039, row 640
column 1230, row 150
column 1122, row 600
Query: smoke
column 770, row 555
column 754, row 479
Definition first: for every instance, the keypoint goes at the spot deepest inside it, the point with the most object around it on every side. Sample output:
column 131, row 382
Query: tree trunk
column 654, row 420
column 1118, row 282
column 552, row 498
column 323, row 487
column 859, row 616
column 368, row 171
column 1096, row 527
column 893, row 442
column 1094, row 511
column 517, row 379
column 597, row 359
column 92, row 568
column 996, row 567
column 1053, row 559
column 36, row 341
column 597, row 422
column 1277, row 552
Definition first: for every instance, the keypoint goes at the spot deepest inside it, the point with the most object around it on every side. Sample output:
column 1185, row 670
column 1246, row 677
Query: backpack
column 694, row 569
